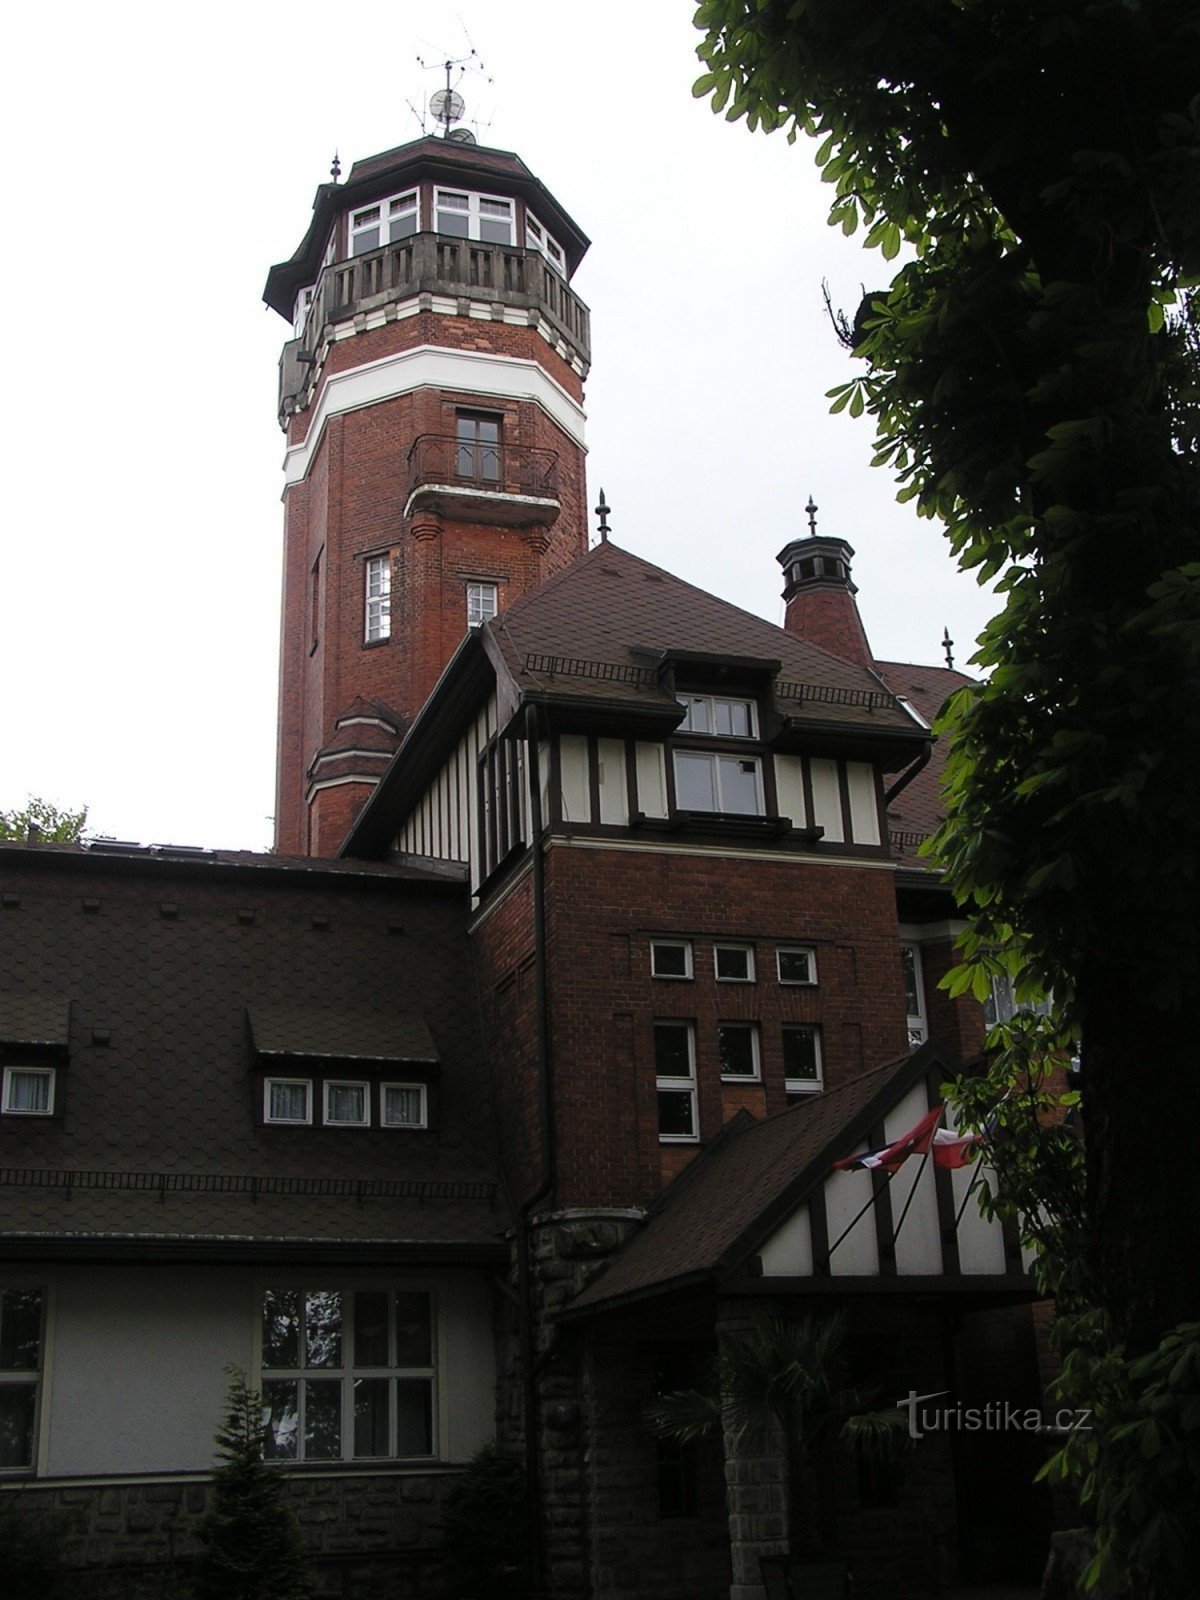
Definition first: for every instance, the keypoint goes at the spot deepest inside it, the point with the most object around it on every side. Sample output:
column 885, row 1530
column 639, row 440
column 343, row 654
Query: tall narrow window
column 481, row 603
column 914, row 993
column 501, row 781
column 315, row 602
column 378, row 606
column 477, row 447
column 801, row 1060
column 20, row 1374
column 675, row 1080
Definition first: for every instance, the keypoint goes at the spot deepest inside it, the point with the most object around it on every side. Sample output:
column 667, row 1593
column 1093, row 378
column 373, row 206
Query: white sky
column 161, row 158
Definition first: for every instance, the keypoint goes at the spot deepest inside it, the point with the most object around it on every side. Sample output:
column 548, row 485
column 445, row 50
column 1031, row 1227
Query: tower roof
column 437, row 160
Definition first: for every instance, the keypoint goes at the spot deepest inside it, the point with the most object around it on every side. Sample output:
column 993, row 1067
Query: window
column 914, row 993
column 801, row 1060
column 287, row 1100
column 392, row 219
column 315, row 602
column 481, row 603
column 377, row 572
column 670, row 958
column 20, row 1374
column 737, row 1043
column 796, row 966
column 303, row 306
column 29, row 1091
column 477, row 447
column 734, row 963
column 1002, row 1005
column 708, row 713
column 501, row 797
column 403, row 1105
column 675, row 1076
column 731, row 785
column 474, row 216
column 347, row 1373
column 538, row 239
column 347, row 1105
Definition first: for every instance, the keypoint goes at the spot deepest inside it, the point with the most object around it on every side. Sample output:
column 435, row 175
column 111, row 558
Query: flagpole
column 911, row 1192
column 857, row 1217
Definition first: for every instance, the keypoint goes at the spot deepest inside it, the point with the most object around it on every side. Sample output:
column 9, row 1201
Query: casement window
column 737, row 1044
column 403, row 1105
column 287, row 1100
column 914, row 993
column 300, row 312
column 538, row 239
column 486, row 217
column 28, row 1092
column 377, row 602
column 801, row 1060
column 796, row 964
column 715, row 714
column 734, row 963
column 730, row 785
column 347, row 1105
column 482, row 600
column 477, row 447
column 383, row 223
column 347, row 1373
column 670, row 958
column 501, row 779
column 21, row 1343
column 675, row 1079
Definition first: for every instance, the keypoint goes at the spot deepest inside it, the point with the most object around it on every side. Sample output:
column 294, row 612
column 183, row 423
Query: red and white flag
column 952, row 1149
column 893, row 1156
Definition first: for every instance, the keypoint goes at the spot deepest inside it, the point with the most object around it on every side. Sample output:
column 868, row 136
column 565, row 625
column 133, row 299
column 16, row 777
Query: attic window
column 726, row 719
column 28, row 1092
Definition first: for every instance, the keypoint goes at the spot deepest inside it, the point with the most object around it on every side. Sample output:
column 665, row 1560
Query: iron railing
column 437, row 458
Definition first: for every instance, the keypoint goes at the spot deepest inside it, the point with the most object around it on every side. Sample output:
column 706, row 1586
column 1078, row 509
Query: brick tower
column 431, row 396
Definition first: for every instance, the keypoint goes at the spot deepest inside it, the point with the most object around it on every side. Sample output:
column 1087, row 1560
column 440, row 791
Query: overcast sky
column 162, row 158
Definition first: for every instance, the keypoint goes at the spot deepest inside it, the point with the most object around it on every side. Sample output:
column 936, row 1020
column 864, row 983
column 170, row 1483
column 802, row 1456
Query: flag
column 893, row 1156
column 952, row 1149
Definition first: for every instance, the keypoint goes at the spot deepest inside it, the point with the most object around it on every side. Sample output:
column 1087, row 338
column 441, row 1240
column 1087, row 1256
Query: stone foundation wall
column 381, row 1532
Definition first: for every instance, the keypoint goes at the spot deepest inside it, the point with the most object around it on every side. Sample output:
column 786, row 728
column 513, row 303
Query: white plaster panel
column 573, row 766
column 789, row 784
column 614, row 791
column 857, row 1256
column 788, row 1252
column 980, row 1240
column 434, row 367
column 651, row 780
column 919, row 1243
column 827, row 799
column 864, row 810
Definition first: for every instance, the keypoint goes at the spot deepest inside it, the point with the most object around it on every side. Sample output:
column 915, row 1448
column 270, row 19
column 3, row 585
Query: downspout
column 545, row 1187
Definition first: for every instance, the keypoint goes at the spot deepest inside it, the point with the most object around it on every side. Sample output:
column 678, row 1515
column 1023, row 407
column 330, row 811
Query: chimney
column 820, row 597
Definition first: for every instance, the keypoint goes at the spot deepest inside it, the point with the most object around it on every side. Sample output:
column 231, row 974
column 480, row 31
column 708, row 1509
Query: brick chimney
column 820, row 597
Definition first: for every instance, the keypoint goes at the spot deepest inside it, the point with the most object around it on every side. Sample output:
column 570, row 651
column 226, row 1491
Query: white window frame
column 301, row 308
column 674, row 944
column 540, row 239
column 344, row 1122
column 689, row 702
column 918, row 1024
column 797, row 950
column 755, row 1073
column 288, row 1083
column 678, row 1085
column 715, row 759
column 383, row 211
column 28, row 1377
column 805, row 1085
column 349, row 1368
column 746, row 950
column 478, row 592
column 20, row 1069
column 412, row 1088
column 377, row 599
column 473, row 212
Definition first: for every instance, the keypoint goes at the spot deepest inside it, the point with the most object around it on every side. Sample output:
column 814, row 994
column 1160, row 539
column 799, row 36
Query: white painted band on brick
column 370, row 778
column 435, row 367
column 725, row 852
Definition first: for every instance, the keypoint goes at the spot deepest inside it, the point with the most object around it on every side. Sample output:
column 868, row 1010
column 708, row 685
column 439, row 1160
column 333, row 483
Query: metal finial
column 948, row 646
column 602, row 511
column 812, row 508
column 335, row 171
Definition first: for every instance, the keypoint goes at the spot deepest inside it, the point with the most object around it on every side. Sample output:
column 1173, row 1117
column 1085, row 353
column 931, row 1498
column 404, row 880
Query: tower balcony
column 505, row 278
column 507, row 485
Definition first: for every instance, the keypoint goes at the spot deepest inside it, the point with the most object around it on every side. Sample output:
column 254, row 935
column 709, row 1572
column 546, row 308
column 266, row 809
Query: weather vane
column 812, row 508
column 602, row 511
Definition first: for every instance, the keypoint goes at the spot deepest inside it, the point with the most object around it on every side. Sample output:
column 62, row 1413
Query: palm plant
column 778, row 1385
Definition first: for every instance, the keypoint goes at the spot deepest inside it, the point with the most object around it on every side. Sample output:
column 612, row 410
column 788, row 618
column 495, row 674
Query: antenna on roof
column 447, row 105
column 948, row 646
column 602, row 511
column 812, row 508
column 335, row 170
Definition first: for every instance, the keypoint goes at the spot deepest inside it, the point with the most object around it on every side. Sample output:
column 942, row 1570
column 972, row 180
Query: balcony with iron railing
column 436, row 264
column 512, row 485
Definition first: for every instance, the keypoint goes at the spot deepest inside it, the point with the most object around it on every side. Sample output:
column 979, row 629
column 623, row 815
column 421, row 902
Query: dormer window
column 710, row 713
column 28, row 1092
column 485, row 217
column 383, row 223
